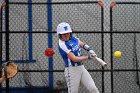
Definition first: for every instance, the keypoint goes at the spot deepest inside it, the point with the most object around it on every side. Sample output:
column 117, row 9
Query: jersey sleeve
column 64, row 48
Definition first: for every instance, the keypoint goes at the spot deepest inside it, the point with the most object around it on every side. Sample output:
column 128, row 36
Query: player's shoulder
column 61, row 43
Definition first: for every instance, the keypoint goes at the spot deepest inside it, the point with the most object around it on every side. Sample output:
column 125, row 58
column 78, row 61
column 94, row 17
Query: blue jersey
column 70, row 46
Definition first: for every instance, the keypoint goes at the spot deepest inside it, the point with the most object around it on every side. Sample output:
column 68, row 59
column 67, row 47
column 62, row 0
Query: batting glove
column 91, row 51
column 91, row 56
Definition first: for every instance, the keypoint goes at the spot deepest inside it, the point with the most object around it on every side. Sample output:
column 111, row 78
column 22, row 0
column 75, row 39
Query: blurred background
column 28, row 28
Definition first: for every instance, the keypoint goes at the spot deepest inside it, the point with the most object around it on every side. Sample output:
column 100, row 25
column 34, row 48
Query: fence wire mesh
column 125, row 20
column 121, row 75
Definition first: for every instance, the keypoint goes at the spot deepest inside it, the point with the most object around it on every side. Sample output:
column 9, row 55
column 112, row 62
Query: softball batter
column 70, row 50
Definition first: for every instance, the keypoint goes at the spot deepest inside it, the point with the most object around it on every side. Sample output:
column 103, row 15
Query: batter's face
column 65, row 37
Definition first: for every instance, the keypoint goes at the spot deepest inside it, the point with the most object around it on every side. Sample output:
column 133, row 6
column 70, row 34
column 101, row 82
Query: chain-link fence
column 29, row 35
column 30, row 28
column 124, row 37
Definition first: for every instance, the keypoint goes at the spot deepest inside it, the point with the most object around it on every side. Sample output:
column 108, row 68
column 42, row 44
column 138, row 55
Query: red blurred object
column 113, row 4
column 3, row 4
column 101, row 4
column 49, row 52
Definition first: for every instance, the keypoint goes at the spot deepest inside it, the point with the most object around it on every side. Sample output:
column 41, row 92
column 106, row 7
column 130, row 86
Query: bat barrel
column 104, row 64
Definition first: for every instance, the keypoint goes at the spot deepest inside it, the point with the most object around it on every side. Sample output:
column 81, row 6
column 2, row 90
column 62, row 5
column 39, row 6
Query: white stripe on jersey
column 64, row 48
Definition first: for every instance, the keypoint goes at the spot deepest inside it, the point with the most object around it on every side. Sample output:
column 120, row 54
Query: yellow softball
column 117, row 54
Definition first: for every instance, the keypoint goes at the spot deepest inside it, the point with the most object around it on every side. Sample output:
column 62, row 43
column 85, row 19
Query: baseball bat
column 104, row 64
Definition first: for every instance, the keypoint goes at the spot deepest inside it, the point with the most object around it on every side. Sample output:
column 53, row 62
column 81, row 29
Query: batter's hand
column 92, row 52
column 104, row 64
column 91, row 56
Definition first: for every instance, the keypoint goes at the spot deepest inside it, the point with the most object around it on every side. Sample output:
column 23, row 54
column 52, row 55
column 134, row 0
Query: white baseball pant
column 76, row 75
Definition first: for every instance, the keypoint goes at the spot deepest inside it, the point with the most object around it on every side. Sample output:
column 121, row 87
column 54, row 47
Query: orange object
column 49, row 52
column 113, row 4
column 100, row 4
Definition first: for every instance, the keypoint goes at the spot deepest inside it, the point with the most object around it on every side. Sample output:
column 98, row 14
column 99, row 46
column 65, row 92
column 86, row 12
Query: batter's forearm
column 79, row 59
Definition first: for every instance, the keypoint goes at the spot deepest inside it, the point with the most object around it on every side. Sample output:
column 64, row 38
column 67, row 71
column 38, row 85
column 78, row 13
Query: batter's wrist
column 88, row 57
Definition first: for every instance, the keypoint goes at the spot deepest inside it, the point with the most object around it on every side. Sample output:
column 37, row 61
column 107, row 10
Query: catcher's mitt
column 10, row 69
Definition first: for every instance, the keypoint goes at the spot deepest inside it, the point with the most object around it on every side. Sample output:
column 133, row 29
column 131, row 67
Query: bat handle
column 104, row 64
